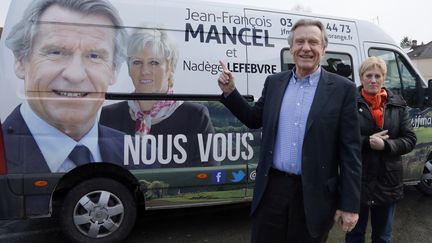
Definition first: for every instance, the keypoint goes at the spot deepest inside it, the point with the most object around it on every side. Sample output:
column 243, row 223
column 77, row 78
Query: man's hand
column 376, row 140
column 226, row 80
column 346, row 220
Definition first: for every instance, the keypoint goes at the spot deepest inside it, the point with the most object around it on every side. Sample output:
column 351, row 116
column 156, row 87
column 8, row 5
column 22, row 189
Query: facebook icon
column 218, row 177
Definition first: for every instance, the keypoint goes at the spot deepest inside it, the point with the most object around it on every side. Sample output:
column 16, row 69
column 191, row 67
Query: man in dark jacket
column 309, row 168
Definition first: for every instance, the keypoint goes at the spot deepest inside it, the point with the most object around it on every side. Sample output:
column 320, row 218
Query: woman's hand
column 376, row 140
column 226, row 80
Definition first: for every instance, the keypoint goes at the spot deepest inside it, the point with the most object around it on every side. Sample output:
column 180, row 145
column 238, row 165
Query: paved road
column 220, row 224
column 413, row 221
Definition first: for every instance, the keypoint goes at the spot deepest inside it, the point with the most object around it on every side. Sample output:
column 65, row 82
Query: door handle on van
column 154, row 96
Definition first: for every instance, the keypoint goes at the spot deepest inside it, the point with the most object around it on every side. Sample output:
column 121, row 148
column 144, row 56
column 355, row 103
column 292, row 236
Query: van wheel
column 425, row 184
column 98, row 210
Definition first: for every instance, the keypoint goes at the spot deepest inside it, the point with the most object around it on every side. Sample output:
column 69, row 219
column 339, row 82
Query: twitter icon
column 238, row 176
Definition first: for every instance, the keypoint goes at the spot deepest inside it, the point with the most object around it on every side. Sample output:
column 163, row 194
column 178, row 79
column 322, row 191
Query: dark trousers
column 280, row 216
column 381, row 222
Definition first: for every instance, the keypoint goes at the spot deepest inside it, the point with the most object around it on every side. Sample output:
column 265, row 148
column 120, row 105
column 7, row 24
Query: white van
column 110, row 107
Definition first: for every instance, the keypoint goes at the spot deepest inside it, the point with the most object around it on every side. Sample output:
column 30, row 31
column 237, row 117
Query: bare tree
column 406, row 42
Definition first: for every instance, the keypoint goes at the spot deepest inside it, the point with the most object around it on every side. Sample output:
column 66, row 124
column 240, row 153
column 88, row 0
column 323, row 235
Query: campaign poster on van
column 58, row 66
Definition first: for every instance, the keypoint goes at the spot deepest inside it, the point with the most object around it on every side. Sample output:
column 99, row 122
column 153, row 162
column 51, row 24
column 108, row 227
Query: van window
column 339, row 63
column 401, row 77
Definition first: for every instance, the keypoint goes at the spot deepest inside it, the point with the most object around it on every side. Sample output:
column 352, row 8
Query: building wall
column 425, row 67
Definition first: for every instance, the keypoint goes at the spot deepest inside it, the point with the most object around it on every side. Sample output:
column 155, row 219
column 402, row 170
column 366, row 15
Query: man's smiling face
column 307, row 49
column 69, row 68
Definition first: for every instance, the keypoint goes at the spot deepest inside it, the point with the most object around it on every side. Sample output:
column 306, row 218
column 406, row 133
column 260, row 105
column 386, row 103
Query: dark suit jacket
column 189, row 119
column 24, row 156
column 331, row 166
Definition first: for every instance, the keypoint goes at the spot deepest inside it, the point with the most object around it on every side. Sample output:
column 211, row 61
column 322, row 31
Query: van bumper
column 11, row 204
column 21, row 198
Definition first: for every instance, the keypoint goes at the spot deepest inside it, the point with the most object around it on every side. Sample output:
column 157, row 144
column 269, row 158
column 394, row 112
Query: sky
column 397, row 18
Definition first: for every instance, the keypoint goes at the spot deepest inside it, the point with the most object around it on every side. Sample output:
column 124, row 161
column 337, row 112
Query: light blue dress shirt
column 55, row 145
column 293, row 115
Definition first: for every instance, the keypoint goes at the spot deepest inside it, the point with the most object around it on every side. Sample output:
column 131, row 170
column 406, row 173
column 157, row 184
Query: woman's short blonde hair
column 159, row 40
column 371, row 62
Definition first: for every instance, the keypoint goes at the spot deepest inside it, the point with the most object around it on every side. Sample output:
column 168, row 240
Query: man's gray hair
column 309, row 22
column 21, row 36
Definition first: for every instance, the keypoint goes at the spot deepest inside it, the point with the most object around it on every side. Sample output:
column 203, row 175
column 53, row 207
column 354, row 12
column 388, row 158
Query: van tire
column 425, row 184
column 98, row 210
